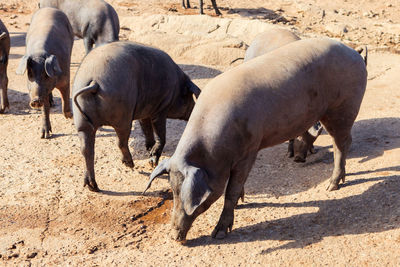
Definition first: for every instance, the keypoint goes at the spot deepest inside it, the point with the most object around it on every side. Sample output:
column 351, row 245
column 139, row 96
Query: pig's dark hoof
column 68, row 115
column 128, row 163
column 299, row 159
column 220, row 231
column 153, row 161
column 93, row 188
column 45, row 134
column 332, row 187
column 219, row 234
column 149, row 146
column 2, row 110
column 91, row 185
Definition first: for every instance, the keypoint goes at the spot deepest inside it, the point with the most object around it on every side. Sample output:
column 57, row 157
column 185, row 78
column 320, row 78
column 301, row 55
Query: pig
column 213, row 2
column 95, row 21
column 47, row 60
column 4, row 52
column 123, row 81
column 259, row 104
column 264, row 43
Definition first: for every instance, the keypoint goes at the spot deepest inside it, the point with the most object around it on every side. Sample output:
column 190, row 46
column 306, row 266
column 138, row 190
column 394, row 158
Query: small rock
column 31, row 255
column 92, row 250
column 13, row 16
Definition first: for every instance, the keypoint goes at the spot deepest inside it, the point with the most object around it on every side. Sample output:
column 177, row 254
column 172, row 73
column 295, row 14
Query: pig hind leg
column 234, row 190
column 87, row 138
column 4, row 97
column 66, row 106
column 123, row 138
column 338, row 125
column 147, row 129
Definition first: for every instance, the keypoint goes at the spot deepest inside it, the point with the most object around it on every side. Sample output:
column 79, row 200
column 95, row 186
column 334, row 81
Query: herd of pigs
column 285, row 89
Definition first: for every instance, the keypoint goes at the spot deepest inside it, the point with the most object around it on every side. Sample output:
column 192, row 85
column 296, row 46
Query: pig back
column 279, row 95
column 131, row 76
column 50, row 32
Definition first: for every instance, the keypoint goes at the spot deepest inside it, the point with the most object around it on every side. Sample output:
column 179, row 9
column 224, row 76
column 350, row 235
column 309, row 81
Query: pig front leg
column 123, row 138
column 147, row 129
column 234, row 190
column 87, row 138
column 4, row 97
column 88, row 42
column 290, row 148
column 66, row 106
column 187, row 4
column 159, row 126
column 214, row 4
column 201, row 7
column 46, row 126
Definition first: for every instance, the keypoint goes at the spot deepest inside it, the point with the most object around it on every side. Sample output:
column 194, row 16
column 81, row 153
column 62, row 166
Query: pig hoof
column 332, row 187
column 2, row 110
column 219, row 234
column 68, row 115
column 153, row 161
column 313, row 150
column 128, row 163
column 45, row 134
column 299, row 159
column 92, row 186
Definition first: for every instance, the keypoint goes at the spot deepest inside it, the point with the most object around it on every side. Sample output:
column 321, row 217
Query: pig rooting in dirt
column 4, row 53
column 47, row 61
column 124, row 81
column 266, row 101
column 95, row 21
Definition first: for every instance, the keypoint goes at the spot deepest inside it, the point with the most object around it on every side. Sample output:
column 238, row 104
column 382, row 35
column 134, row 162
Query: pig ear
column 194, row 190
column 52, row 67
column 3, row 35
column 161, row 169
column 22, row 65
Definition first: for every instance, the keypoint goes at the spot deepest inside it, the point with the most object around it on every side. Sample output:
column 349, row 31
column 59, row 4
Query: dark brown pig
column 93, row 20
column 124, row 81
column 47, row 60
column 4, row 52
column 259, row 104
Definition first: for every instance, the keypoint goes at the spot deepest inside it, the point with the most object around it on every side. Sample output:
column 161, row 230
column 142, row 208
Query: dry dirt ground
column 48, row 218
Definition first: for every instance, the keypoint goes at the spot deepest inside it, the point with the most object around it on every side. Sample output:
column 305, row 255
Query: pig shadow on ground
column 17, row 39
column 275, row 174
column 19, row 102
column 259, row 13
column 199, row 72
column 376, row 210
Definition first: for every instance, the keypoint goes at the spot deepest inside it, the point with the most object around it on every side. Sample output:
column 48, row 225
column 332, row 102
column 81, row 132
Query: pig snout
column 299, row 158
column 36, row 102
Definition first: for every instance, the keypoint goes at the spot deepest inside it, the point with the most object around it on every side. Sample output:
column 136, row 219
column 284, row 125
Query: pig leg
column 88, row 42
column 159, row 126
column 123, row 138
column 147, row 129
column 4, row 97
column 46, row 126
column 87, row 138
column 66, row 106
column 238, row 177
column 340, row 130
column 290, row 148
column 201, row 7
column 187, row 3
column 214, row 4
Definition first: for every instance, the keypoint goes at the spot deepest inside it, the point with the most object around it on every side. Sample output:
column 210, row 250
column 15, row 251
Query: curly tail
column 93, row 87
column 363, row 51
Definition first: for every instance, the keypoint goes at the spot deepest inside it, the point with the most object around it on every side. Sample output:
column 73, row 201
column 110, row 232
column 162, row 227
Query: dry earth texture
column 48, row 218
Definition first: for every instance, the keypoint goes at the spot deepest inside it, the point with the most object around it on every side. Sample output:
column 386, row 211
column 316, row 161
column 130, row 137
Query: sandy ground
column 48, row 218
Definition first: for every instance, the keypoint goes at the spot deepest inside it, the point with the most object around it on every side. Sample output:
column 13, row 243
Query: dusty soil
column 48, row 218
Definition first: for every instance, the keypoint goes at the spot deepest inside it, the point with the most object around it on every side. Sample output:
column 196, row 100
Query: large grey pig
column 47, row 60
column 4, row 52
column 266, row 42
column 93, row 20
column 258, row 104
column 213, row 2
column 124, row 81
